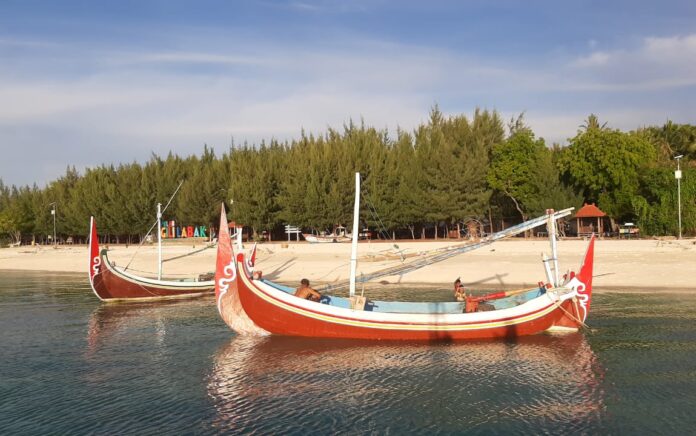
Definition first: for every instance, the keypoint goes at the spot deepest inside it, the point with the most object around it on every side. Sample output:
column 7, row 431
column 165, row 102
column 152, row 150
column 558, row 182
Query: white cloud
column 657, row 63
column 27, row 43
column 595, row 59
column 197, row 58
column 129, row 103
column 304, row 6
column 558, row 127
column 676, row 46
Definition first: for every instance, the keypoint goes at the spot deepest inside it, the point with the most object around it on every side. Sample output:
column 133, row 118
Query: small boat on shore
column 111, row 283
column 338, row 235
column 250, row 304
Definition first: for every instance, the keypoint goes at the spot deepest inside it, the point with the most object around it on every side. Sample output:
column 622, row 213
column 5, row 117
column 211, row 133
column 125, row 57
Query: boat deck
column 418, row 307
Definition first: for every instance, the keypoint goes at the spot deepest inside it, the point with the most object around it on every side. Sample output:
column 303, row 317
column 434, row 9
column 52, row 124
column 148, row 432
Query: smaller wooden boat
column 110, row 283
column 323, row 239
column 338, row 235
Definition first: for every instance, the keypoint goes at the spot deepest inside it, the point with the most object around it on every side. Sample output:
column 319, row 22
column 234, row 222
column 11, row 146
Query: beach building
column 591, row 219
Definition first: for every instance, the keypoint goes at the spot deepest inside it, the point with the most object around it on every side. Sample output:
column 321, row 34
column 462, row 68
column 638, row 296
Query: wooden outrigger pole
column 442, row 254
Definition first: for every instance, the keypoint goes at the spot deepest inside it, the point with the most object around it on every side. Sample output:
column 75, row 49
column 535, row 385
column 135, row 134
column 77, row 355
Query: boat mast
column 554, row 249
column 354, row 245
column 545, row 260
column 159, row 241
column 240, row 246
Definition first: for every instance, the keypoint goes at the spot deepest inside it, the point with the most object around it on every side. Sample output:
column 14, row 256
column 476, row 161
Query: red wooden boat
column 252, row 305
column 110, row 283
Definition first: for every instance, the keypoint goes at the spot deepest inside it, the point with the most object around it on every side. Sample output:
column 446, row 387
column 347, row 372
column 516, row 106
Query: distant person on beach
column 306, row 292
column 459, row 291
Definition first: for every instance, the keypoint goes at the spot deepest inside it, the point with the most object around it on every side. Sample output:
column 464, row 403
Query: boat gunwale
column 154, row 282
column 519, row 313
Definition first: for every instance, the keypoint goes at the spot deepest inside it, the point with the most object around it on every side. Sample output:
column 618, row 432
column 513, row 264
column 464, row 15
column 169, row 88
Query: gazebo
column 589, row 220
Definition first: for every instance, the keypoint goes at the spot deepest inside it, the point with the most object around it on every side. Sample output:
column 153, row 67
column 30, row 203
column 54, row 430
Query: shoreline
column 430, row 286
column 620, row 265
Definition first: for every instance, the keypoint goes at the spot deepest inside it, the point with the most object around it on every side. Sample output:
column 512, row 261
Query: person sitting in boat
column 459, row 290
column 306, row 292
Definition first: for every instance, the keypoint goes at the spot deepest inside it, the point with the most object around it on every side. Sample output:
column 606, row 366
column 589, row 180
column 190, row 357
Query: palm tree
column 592, row 122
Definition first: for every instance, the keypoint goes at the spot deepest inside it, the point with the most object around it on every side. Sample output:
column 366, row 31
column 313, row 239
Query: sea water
column 70, row 364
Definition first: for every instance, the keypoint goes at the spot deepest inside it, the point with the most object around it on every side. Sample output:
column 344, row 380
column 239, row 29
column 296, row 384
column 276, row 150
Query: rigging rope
column 571, row 316
column 153, row 226
column 154, row 274
column 445, row 253
column 373, row 211
column 189, row 254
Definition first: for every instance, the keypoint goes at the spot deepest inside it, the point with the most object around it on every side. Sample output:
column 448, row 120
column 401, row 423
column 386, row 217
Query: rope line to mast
column 571, row 316
column 142, row 241
column 373, row 211
column 189, row 254
column 445, row 253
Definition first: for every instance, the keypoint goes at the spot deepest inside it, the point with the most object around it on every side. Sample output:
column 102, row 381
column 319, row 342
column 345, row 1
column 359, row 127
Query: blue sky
column 87, row 82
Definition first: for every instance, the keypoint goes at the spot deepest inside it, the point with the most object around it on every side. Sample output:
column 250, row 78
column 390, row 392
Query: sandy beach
column 639, row 265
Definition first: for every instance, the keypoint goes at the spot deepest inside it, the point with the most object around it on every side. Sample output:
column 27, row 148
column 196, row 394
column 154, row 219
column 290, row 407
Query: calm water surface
column 70, row 364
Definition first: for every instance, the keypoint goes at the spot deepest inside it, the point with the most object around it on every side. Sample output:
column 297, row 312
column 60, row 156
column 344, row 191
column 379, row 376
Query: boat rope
column 441, row 254
column 189, row 254
column 571, row 316
column 382, row 230
column 153, row 274
column 113, row 264
column 142, row 241
column 343, row 265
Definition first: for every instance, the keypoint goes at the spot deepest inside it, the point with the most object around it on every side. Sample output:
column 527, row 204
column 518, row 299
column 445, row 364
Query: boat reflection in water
column 113, row 325
column 282, row 384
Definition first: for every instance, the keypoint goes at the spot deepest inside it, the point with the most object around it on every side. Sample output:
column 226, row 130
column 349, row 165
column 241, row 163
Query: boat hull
column 276, row 314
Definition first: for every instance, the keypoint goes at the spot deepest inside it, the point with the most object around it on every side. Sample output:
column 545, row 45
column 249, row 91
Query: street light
column 678, row 176
column 53, row 212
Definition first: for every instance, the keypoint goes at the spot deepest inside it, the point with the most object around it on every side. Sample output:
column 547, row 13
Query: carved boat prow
column 226, row 294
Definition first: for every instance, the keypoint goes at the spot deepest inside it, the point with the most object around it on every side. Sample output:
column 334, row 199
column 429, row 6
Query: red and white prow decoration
column 226, row 295
column 580, row 295
column 94, row 257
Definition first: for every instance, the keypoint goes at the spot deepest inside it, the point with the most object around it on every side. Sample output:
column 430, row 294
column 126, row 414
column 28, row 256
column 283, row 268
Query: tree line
column 417, row 183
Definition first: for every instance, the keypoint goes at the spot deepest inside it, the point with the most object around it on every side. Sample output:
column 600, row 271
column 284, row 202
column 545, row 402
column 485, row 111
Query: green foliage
column 672, row 139
column 656, row 205
column 454, row 157
column 448, row 170
column 524, row 171
column 203, row 189
column 604, row 166
column 253, row 185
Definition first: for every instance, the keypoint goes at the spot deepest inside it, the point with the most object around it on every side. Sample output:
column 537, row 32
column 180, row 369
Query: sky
column 89, row 82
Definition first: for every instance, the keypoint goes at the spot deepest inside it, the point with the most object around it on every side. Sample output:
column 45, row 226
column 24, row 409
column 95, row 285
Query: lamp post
column 53, row 212
column 678, row 176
